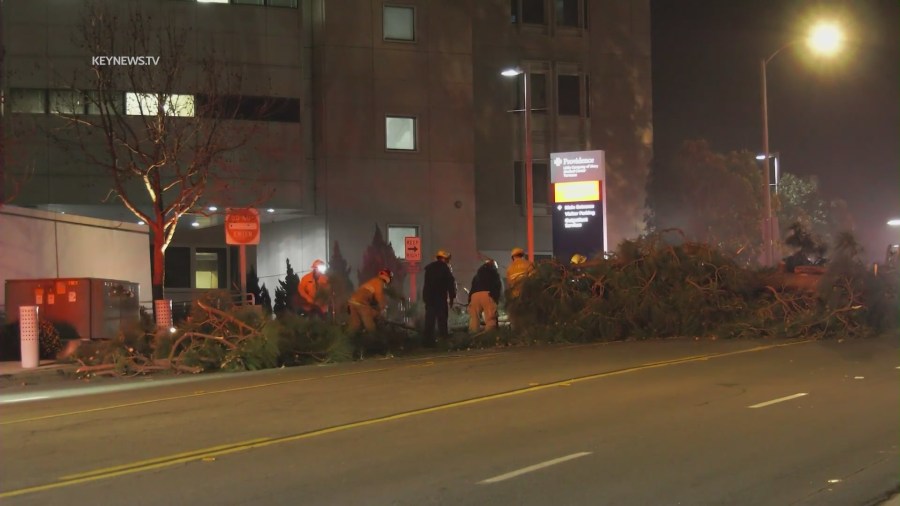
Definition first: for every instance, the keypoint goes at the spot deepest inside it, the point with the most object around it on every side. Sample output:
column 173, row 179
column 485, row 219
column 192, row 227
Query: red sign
column 241, row 226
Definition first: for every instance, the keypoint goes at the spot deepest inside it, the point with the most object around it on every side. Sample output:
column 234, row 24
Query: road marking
column 24, row 399
column 186, row 396
column 774, row 401
column 533, row 468
column 200, row 454
column 227, row 390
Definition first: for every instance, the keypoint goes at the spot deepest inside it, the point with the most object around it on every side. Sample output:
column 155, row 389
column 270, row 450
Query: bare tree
column 165, row 126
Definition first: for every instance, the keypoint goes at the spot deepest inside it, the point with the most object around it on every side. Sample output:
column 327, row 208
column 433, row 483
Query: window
column 178, row 267
column 567, row 13
column 533, row 11
column 249, row 2
column 282, row 3
column 66, row 102
column 537, row 89
column 399, row 23
column 210, row 268
column 213, row 1
column 28, row 100
column 540, row 181
column 286, row 110
column 568, row 95
column 400, row 133
column 147, row 104
column 397, row 235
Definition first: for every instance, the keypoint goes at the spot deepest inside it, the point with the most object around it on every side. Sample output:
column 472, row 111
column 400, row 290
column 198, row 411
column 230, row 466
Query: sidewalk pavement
column 48, row 369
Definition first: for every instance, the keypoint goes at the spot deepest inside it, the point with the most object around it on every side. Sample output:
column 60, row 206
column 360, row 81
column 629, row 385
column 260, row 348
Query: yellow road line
column 206, row 453
column 429, row 363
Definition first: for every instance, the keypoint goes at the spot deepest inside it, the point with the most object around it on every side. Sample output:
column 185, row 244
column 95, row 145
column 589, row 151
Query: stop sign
column 241, row 226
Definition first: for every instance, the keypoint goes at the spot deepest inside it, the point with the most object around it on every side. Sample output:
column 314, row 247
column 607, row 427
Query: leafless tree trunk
column 164, row 128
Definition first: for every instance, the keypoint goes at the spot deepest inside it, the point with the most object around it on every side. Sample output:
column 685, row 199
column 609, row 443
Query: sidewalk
column 48, row 369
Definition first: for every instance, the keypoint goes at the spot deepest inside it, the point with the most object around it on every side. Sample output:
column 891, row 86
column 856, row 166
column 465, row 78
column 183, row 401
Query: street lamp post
column 824, row 38
column 529, row 179
column 776, row 156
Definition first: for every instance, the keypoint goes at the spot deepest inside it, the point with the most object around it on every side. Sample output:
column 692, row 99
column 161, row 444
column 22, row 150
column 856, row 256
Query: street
column 644, row 423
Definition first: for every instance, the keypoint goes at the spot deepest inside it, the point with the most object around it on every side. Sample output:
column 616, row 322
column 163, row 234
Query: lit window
column 400, row 133
column 397, row 235
column 213, row 1
column 249, row 2
column 399, row 23
column 141, row 104
column 66, row 102
column 209, row 268
column 179, row 105
column 147, row 104
column 28, row 100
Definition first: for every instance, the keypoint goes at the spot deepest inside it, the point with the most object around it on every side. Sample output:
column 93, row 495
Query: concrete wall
column 301, row 241
column 38, row 244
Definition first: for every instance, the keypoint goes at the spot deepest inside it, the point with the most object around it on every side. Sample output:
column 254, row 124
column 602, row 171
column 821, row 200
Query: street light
column 894, row 222
column 824, row 38
column 774, row 156
column 529, row 180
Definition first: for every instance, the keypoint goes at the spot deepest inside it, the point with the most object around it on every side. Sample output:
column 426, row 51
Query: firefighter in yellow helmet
column 517, row 271
column 367, row 302
column 314, row 290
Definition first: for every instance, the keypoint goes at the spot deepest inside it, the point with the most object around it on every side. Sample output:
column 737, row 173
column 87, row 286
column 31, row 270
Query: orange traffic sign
column 241, row 226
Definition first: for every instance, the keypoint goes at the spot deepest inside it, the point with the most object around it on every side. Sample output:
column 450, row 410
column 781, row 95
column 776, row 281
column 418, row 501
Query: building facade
column 393, row 114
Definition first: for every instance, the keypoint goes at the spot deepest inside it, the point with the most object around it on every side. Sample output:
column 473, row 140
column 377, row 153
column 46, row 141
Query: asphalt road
column 643, row 423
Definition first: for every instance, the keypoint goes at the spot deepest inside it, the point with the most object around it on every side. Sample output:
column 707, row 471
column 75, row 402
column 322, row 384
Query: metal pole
column 529, row 180
column 768, row 240
column 242, row 259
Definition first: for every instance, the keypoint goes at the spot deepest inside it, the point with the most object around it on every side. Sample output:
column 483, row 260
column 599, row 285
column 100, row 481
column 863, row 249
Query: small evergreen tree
column 286, row 291
column 339, row 278
column 264, row 299
column 379, row 255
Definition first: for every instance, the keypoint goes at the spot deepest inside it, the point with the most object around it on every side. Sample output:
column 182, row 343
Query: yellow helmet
column 578, row 258
column 442, row 254
column 517, row 252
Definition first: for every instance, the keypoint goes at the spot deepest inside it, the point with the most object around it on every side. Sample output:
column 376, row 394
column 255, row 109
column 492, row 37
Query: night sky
column 838, row 119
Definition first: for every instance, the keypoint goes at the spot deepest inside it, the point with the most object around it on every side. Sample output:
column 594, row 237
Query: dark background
column 836, row 119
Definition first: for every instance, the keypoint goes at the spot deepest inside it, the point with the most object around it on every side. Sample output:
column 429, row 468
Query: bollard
column 29, row 335
column 163, row 308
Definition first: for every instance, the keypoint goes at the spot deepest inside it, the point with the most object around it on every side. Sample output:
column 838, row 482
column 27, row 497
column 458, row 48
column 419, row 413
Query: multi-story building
column 393, row 113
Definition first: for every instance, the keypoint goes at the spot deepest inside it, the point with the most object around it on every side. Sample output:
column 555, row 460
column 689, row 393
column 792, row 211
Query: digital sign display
column 579, row 203
column 577, row 228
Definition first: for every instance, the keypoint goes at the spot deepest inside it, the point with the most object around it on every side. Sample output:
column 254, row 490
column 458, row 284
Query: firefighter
column 485, row 295
column 517, row 271
column 367, row 302
column 314, row 291
column 438, row 293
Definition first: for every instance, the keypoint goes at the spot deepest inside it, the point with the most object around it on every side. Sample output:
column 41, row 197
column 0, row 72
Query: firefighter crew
column 484, row 296
column 517, row 271
column 367, row 302
column 438, row 293
column 314, row 290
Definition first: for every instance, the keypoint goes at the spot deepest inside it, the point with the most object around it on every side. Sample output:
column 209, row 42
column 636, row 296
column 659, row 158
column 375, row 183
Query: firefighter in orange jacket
column 314, row 291
column 367, row 301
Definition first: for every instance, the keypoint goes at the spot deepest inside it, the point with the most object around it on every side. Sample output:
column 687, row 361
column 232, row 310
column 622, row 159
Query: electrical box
column 94, row 308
